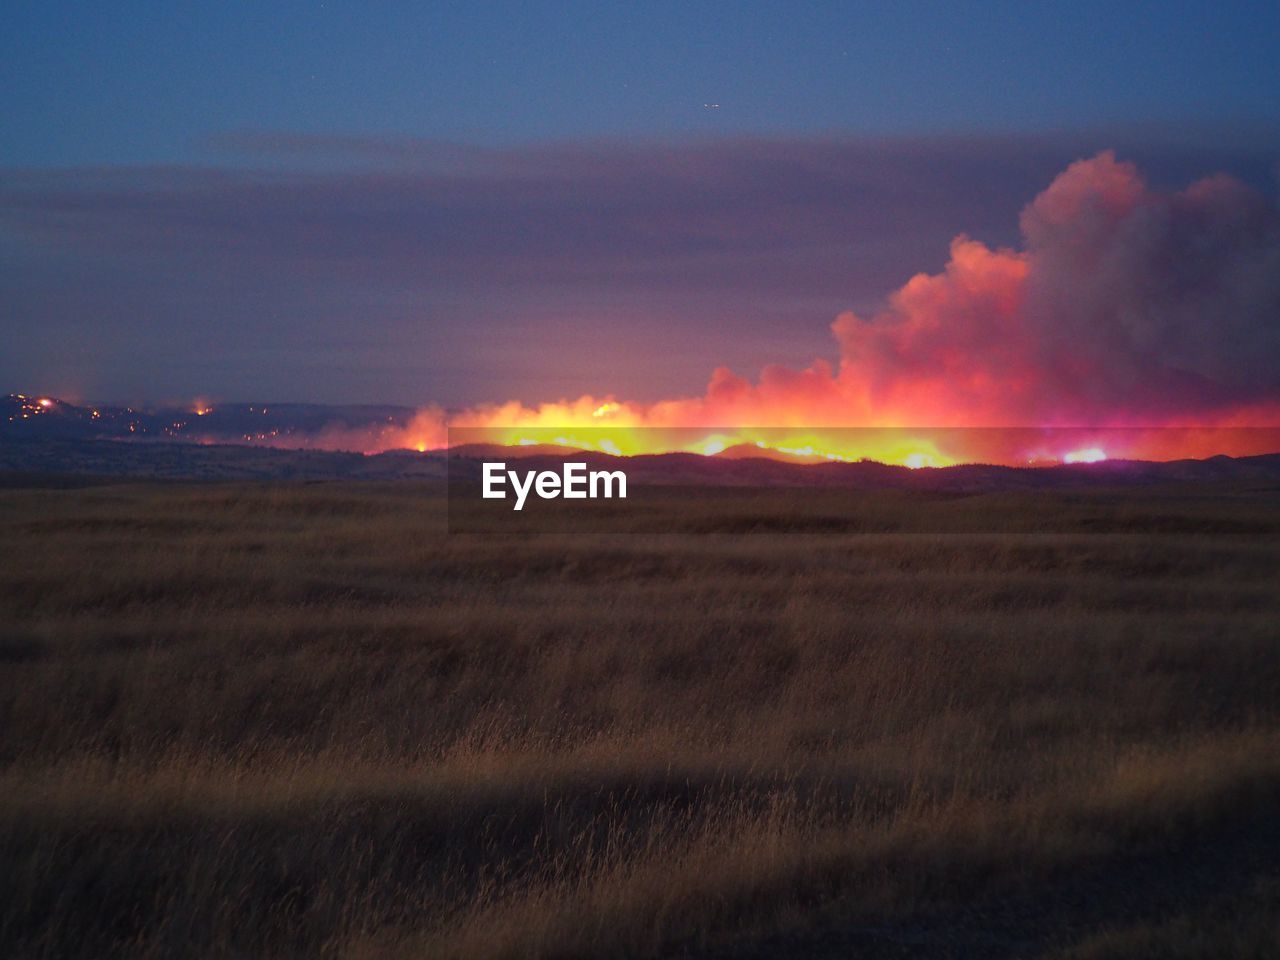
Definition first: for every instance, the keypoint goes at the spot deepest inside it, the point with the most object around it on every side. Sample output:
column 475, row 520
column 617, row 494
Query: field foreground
column 301, row 720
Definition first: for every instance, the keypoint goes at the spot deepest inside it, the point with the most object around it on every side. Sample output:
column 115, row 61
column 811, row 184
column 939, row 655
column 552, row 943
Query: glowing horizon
column 911, row 448
column 1125, row 308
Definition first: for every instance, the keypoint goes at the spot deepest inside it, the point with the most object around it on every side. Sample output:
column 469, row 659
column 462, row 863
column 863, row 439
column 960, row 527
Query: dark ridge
column 53, row 461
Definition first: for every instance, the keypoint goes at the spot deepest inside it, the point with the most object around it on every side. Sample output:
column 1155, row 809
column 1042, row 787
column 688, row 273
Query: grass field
column 285, row 720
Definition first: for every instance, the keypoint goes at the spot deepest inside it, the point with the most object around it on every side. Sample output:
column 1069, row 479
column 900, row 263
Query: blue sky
column 92, row 83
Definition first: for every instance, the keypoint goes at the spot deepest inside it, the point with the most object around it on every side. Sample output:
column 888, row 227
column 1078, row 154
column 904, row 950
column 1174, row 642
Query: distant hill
column 696, row 470
column 30, row 417
column 55, row 461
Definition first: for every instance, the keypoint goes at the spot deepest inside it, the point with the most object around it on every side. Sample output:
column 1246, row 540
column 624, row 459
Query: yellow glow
column 621, row 438
column 1088, row 455
column 887, row 448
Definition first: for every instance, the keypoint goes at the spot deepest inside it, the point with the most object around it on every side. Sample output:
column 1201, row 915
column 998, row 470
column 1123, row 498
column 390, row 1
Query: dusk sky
column 456, row 203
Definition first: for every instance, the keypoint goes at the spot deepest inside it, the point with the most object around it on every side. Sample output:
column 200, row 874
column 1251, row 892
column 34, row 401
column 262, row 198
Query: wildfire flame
column 1013, row 356
column 1019, row 346
column 1088, row 455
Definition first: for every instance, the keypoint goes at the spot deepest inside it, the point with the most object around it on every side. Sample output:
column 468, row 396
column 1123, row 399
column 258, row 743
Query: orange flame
column 1021, row 347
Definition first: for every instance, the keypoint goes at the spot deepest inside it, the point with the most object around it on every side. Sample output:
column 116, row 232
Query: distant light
column 46, row 402
column 915, row 461
column 1088, row 455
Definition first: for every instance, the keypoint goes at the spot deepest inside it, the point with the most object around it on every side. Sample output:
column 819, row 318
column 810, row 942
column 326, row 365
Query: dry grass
column 301, row 720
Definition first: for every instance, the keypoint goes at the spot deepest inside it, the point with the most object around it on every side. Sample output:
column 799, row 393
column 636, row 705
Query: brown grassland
column 301, row 720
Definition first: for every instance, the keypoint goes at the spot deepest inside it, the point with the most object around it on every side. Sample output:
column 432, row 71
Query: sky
column 458, row 203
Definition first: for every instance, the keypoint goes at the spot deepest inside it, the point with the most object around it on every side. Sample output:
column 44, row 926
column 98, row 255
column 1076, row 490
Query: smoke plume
column 1124, row 307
